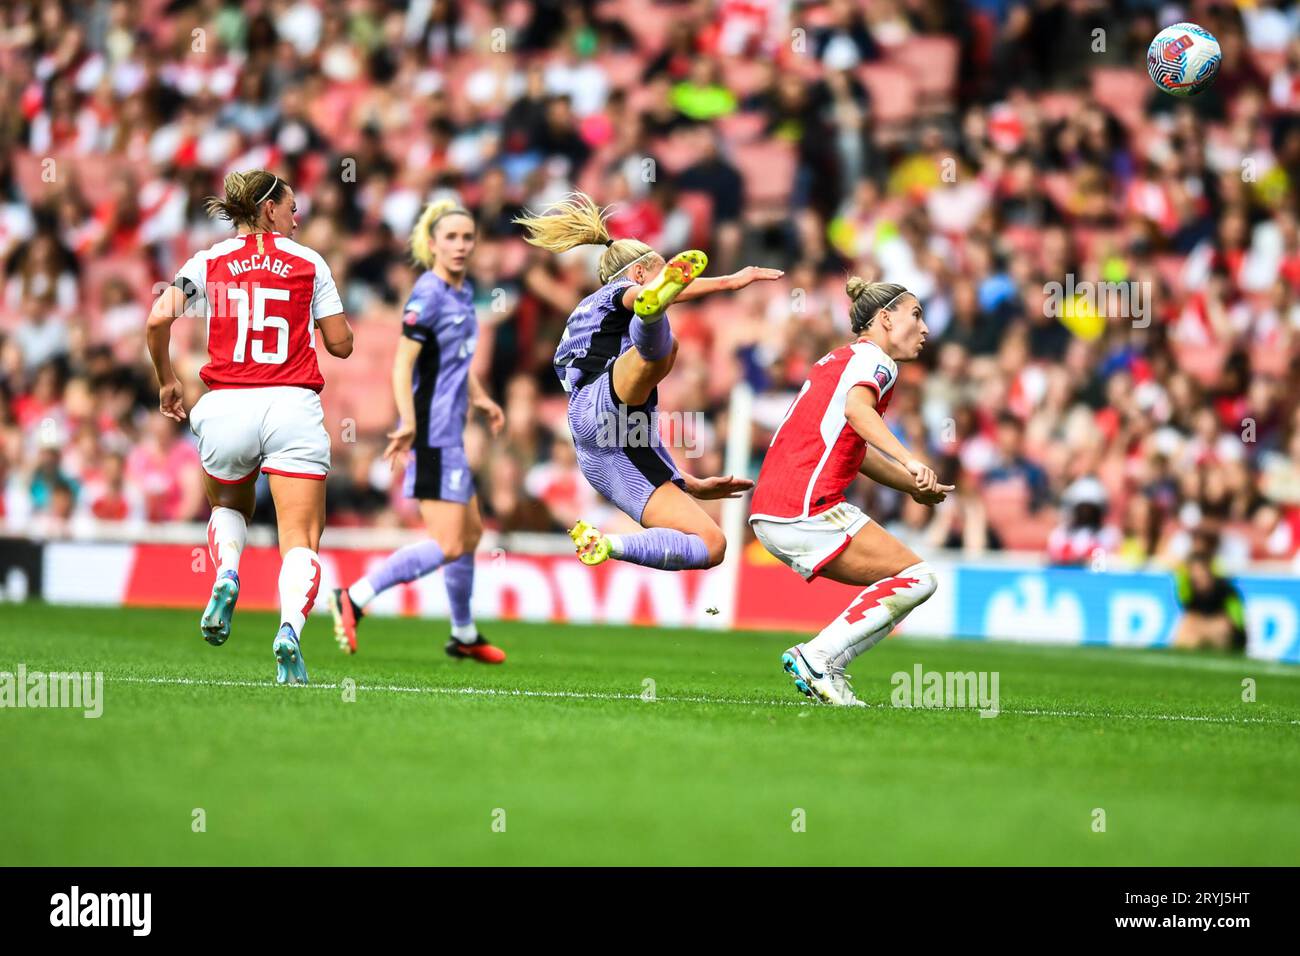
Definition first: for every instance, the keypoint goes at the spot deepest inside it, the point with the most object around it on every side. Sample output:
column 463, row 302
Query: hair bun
column 856, row 286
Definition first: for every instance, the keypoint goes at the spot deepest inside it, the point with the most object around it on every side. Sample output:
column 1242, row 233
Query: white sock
column 299, row 582
column 873, row 614
column 615, row 545
column 362, row 593
column 465, row 633
column 227, row 533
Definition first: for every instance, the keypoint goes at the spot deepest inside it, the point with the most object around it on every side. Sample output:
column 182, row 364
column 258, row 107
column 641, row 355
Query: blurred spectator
column 1011, row 465
column 1214, row 616
column 1083, row 538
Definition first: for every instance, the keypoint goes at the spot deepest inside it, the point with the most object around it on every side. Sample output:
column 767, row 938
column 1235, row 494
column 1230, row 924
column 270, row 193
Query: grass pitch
column 556, row 758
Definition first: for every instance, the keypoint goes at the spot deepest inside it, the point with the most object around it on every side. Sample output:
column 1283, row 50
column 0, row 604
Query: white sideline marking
column 582, row 695
column 1156, row 657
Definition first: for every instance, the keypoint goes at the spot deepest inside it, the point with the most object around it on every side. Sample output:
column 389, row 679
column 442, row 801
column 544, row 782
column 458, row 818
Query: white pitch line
column 483, row 691
column 1155, row 657
column 584, row 695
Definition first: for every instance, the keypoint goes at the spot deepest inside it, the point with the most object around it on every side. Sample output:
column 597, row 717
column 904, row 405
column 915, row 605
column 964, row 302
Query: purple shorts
column 618, row 445
column 439, row 474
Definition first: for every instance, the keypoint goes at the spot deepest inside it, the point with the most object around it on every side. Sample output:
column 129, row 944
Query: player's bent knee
column 452, row 548
column 927, row 582
column 716, row 542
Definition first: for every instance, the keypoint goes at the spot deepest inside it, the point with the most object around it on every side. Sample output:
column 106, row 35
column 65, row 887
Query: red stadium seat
column 932, row 62
column 1058, row 105
column 650, row 25
column 1269, row 359
column 1203, row 362
column 1006, row 497
column 893, row 91
column 1123, row 92
column 1027, row 533
column 132, row 269
column 741, row 127
column 622, row 71
column 699, row 206
column 768, row 170
column 31, row 171
column 1023, row 239
column 675, row 153
column 744, row 76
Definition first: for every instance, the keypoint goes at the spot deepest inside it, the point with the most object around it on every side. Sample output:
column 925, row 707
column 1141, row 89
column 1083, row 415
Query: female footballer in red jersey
column 832, row 432
column 262, row 295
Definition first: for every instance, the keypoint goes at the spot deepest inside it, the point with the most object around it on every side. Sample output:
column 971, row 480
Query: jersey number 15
column 260, row 322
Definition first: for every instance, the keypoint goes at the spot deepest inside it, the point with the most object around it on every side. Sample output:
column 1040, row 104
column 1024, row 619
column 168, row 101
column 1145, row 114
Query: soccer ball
column 1184, row 59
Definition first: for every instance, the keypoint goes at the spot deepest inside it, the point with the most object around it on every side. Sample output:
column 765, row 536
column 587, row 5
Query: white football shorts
column 279, row 429
column 806, row 545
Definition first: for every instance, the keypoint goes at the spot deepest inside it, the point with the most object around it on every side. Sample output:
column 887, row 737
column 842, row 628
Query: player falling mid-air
column 616, row 348
column 832, row 432
column 434, row 388
column 263, row 296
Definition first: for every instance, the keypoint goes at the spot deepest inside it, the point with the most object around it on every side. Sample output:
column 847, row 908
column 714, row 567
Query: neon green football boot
column 681, row 270
column 592, row 546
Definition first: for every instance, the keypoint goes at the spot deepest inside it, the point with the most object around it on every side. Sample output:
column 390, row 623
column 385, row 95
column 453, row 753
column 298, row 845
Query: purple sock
column 662, row 548
column 459, row 576
column 654, row 340
column 406, row 564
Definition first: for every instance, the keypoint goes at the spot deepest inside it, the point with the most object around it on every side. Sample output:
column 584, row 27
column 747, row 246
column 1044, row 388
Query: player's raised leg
column 654, row 350
column 679, row 536
column 895, row 580
column 300, row 514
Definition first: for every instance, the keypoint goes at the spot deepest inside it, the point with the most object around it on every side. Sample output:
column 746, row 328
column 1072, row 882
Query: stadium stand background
column 976, row 153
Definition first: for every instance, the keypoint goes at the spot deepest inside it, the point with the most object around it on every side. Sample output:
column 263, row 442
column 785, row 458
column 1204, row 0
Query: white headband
column 893, row 300
column 267, row 194
column 633, row 262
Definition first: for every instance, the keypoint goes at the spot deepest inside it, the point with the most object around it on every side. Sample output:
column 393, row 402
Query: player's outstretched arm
column 860, row 411
column 707, row 285
column 167, row 308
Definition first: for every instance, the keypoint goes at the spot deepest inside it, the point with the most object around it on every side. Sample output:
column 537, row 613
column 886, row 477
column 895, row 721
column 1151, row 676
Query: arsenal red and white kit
column 262, row 295
column 799, row 511
column 815, row 453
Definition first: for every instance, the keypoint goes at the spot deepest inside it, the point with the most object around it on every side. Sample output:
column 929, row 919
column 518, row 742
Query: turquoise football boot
column 215, row 623
column 290, row 668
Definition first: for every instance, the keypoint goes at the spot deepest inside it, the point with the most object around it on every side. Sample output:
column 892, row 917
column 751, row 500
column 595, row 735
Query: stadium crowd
column 997, row 158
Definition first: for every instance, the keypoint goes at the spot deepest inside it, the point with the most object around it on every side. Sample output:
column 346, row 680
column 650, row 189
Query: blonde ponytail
column 575, row 221
column 422, row 232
